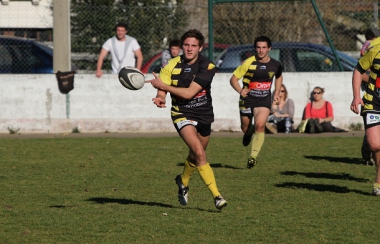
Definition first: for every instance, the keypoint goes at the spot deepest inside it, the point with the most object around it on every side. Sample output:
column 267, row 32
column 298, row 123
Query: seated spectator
column 319, row 113
column 279, row 113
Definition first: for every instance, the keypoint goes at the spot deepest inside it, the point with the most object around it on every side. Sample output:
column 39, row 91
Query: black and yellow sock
column 188, row 170
column 208, row 178
column 257, row 143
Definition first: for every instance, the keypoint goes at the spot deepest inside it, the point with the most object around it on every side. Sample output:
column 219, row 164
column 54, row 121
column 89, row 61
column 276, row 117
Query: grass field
column 122, row 190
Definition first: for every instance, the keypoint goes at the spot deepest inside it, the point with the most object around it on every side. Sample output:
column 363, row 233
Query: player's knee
column 374, row 146
column 260, row 127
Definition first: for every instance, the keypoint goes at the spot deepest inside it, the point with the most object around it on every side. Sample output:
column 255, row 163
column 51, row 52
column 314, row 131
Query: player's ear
column 200, row 49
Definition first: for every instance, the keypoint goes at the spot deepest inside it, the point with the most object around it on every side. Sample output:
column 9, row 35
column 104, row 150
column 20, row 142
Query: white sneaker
column 220, row 202
column 376, row 191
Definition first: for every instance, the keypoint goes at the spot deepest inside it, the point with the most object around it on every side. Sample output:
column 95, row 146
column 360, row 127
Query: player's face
column 120, row 32
column 262, row 50
column 174, row 51
column 191, row 49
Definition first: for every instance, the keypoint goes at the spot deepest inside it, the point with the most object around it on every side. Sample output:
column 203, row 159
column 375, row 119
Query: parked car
column 294, row 56
column 24, row 56
column 154, row 63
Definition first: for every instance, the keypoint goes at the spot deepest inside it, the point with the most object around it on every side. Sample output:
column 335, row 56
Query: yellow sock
column 208, row 178
column 376, row 185
column 188, row 170
column 257, row 143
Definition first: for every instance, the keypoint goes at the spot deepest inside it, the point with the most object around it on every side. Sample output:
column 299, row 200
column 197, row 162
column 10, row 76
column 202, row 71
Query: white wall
column 34, row 104
column 26, row 14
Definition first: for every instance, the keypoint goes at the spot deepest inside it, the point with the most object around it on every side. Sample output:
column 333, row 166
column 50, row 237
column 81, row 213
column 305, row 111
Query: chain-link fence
column 155, row 23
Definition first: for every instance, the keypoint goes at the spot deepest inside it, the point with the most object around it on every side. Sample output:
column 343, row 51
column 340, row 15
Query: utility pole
column 62, row 41
column 61, row 36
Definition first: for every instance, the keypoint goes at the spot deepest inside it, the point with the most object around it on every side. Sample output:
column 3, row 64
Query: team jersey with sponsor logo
column 179, row 74
column 258, row 77
column 371, row 96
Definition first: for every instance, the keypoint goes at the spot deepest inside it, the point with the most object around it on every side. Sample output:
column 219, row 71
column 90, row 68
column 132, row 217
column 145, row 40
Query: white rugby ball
column 131, row 78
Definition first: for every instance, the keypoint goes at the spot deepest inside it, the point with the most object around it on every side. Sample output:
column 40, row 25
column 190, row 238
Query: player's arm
column 362, row 66
column 236, row 76
column 181, row 92
column 234, row 82
column 277, row 88
column 139, row 58
column 356, row 82
column 160, row 99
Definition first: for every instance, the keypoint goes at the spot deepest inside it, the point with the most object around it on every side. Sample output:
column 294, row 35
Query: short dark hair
column 371, row 33
column 262, row 39
column 174, row 43
column 121, row 25
column 193, row 33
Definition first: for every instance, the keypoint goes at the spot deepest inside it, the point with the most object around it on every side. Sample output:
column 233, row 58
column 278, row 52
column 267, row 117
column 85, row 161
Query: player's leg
column 245, row 119
column 366, row 152
column 246, row 125
column 188, row 133
column 197, row 145
column 373, row 139
column 260, row 115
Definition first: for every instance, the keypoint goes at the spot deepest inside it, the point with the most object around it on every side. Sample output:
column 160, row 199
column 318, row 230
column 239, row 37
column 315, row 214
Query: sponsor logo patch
column 183, row 123
column 210, row 66
column 260, row 85
column 373, row 118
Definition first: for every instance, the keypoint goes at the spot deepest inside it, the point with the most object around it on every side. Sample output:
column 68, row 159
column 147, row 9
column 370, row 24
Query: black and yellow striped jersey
column 371, row 61
column 178, row 73
column 258, row 77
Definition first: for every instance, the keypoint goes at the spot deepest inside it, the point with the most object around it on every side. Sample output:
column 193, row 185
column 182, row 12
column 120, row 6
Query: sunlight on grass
column 122, row 190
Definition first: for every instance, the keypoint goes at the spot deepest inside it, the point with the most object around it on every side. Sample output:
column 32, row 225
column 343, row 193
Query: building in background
column 27, row 18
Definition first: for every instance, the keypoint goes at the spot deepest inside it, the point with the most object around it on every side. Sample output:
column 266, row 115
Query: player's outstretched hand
column 159, row 102
column 156, row 82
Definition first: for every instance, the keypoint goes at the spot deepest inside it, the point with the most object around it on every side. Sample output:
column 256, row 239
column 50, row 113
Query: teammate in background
column 370, row 35
column 370, row 103
column 173, row 51
column 125, row 51
column 188, row 80
column 257, row 72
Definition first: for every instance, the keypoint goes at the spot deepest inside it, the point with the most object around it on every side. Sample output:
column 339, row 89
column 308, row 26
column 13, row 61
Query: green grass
column 122, row 190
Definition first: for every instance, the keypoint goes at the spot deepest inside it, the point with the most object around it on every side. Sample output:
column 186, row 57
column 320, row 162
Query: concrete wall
column 33, row 103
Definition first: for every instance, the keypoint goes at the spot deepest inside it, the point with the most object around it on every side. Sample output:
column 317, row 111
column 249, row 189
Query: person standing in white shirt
column 125, row 51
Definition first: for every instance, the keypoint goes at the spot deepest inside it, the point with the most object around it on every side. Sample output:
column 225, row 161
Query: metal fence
column 287, row 23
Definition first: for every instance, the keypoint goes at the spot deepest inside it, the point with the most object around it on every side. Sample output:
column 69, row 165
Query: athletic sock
column 208, row 178
column 188, row 170
column 257, row 143
column 376, row 185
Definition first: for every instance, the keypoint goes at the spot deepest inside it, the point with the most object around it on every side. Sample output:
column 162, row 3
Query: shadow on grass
column 337, row 159
column 320, row 187
column 103, row 200
column 341, row 176
column 62, row 206
column 216, row 165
